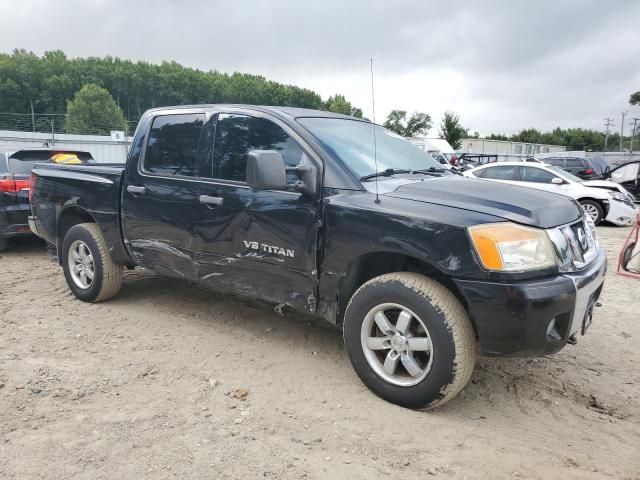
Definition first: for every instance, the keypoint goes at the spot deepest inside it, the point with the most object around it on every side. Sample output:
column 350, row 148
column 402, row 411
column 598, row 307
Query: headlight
column 617, row 196
column 508, row 247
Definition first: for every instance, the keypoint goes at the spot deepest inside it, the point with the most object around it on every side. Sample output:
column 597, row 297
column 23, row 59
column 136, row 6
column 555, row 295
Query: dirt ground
column 142, row 387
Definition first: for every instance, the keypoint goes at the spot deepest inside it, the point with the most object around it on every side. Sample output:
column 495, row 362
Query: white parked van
column 439, row 145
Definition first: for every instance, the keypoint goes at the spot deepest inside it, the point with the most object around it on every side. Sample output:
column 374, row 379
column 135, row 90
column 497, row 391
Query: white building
column 506, row 148
column 103, row 149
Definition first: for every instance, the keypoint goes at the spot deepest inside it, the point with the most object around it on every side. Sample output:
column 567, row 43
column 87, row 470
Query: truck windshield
column 351, row 141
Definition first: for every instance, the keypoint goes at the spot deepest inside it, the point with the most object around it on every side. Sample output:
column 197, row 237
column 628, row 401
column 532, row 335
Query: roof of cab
column 293, row 112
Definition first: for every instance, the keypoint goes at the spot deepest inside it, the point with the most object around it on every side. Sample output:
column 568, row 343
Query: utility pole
column 633, row 133
column 624, row 114
column 608, row 122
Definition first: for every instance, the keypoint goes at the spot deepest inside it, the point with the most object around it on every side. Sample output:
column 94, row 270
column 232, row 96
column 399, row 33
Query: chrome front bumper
column 588, row 284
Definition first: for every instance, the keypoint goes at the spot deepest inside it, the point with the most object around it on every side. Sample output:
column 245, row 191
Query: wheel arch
column 70, row 217
column 373, row 264
column 604, row 204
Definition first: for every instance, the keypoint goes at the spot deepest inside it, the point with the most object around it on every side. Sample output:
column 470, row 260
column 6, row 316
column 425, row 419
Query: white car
column 600, row 199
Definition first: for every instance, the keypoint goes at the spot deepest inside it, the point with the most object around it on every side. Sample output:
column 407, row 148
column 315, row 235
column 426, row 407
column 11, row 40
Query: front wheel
column 91, row 273
column 593, row 209
column 409, row 340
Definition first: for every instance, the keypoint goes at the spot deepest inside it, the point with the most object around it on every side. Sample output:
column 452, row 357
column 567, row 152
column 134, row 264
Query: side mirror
column 266, row 170
column 307, row 176
column 557, row 181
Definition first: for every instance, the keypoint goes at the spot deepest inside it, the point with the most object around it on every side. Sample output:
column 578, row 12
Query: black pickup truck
column 420, row 268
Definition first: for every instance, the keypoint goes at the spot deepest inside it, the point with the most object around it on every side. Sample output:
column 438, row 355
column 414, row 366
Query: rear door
column 257, row 242
column 160, row 204
column 629, row 177
column 578, row 167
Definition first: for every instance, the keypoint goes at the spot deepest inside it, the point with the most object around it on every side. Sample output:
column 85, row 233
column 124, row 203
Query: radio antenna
column 373, row 127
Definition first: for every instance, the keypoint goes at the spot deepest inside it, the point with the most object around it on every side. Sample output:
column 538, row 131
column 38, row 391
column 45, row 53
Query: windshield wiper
column 384, row 173
column 431, row 171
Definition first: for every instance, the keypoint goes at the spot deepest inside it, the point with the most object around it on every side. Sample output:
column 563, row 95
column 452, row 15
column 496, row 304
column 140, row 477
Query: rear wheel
column 410, row 340
column 88, row 267
column 593, row 209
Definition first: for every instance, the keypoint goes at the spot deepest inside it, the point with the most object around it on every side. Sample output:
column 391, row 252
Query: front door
column 257, row 242
column 541, row 179
column 160, row 201
column 628, row 176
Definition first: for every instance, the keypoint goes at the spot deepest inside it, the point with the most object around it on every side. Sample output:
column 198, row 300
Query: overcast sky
column 502, row 65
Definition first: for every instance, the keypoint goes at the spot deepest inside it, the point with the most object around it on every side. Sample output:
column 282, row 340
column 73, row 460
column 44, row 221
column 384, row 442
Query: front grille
column 576, row 244
column 581, row 233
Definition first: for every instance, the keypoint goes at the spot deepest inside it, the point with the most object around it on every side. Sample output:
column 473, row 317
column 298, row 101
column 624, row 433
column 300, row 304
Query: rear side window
column 556, row 162
column 481, row 173
column 173, row 145
column 574, row 163
column 237, row 135
column 505, row 172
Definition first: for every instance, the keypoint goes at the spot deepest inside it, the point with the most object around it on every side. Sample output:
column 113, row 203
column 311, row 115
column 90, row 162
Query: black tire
column 452, row 337
column 3, row 245
column 107, row 274
column 598, row 208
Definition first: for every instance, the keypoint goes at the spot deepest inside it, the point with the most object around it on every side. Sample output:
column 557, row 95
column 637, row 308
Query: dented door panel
column 261, row 241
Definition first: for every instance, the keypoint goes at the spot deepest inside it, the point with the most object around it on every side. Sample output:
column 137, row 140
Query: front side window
column 173, row 145
column 535, row 175
column 237, row 135
column 505, row 172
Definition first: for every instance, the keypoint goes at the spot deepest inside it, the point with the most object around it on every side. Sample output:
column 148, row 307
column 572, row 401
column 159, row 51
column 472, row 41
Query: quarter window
column 237, row 135
column 173, row 145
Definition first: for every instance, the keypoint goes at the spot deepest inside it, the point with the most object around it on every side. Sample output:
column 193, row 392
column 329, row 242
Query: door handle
column 136, row 190
column 211, row 201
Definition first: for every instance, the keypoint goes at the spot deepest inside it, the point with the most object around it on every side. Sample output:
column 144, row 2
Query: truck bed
column 91, row 188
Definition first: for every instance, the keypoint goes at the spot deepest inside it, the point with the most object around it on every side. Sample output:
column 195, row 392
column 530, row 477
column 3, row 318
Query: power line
column 608, row 122
column 624, row 114
column 633, row 132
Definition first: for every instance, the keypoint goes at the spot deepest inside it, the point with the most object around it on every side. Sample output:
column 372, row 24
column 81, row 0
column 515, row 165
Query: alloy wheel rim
column 396, row 344
column 81, row 264
column 591, row 210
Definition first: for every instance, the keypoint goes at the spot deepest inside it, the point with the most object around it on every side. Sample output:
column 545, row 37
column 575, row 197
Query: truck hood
column 511, row 202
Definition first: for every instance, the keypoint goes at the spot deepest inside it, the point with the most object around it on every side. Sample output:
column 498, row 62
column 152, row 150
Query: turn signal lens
column 512, row 248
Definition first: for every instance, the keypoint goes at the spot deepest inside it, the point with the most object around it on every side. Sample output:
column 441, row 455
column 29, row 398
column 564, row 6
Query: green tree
column 33, row 84
column 634, row 99
column 498, row 136
column 93, row 110
column 339, row 104
column 417, row 124
column 451, row 130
